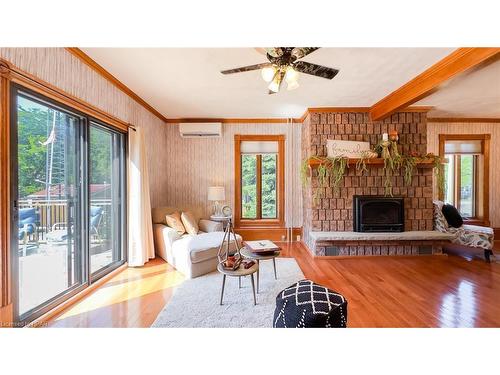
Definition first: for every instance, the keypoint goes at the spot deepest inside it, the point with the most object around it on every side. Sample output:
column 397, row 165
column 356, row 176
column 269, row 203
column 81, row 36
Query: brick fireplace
column 333, row 212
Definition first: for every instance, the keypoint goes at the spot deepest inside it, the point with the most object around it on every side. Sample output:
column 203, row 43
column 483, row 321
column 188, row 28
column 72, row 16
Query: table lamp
column 217, row 195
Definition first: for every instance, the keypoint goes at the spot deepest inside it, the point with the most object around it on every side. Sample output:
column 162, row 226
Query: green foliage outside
column 34, row 126
column 269, row 186
column 32, row 130
column 249, row 186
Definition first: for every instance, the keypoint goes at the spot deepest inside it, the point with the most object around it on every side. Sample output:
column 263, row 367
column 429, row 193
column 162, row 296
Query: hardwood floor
column 424, row 291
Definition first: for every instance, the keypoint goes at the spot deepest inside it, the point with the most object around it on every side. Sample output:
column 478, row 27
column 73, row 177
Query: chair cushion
column 189, row 223
column 201, row 247
column 452, row 216
column 58, row 235
column 174, row 221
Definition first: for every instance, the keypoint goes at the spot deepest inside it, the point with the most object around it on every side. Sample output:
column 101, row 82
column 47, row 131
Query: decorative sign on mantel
column 347, row 149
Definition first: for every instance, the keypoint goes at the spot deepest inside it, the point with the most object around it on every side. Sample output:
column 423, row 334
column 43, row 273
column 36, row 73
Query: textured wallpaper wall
column 63, row 70
column 195, row 164
column 436, row 128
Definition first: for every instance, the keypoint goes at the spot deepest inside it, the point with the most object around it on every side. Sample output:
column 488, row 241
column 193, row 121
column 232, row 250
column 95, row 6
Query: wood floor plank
column 388, row 291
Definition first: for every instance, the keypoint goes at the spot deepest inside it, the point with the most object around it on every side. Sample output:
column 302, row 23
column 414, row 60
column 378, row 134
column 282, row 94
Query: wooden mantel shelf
column 376, row 162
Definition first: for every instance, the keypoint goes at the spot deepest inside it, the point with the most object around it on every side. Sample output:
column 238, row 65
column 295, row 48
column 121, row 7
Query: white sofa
column 193, row 255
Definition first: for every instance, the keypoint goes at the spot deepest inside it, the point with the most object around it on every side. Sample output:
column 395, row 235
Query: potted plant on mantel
column 385, row 154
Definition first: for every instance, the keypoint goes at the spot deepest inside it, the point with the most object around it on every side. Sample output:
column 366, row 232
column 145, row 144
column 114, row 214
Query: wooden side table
column 258, row 257
column 241, row 271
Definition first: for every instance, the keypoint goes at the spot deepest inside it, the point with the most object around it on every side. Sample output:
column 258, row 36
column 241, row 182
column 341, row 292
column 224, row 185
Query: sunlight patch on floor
column 128, row 290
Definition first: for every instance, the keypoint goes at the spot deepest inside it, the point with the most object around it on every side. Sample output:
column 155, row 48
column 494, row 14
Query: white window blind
column 259, row 147
column 463, row 147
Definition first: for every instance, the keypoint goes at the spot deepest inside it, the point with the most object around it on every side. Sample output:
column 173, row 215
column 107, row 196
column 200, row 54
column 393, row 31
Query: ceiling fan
column 285, row 64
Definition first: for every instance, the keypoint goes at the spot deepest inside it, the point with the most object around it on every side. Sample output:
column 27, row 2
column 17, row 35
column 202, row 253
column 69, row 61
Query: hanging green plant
column 361, row 163
column 337, row 168
column 409, row 166
column 330, row 171
column 438, row 167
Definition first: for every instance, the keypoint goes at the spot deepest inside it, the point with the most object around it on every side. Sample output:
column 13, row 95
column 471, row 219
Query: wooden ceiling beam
column 422, row 85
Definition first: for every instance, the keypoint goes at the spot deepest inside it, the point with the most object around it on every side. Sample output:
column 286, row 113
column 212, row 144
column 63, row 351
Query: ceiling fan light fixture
column 291, row 76
column 274, row 86
column 268, row 73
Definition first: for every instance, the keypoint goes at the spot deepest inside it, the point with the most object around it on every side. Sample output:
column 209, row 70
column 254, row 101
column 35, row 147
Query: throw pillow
column 452, row 216
column 190, row 223
column 174, row 221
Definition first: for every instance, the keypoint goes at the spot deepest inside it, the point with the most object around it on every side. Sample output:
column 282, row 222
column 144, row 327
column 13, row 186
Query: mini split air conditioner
column 200, row 130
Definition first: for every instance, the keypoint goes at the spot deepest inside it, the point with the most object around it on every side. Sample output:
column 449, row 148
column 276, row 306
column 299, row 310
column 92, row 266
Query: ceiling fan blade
column 274, row 51
column 300, row 52
column 261, row 50
column 246, row 68
column 315, row 70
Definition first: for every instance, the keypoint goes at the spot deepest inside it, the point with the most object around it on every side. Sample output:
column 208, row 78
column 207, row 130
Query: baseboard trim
column 44, row 319
column 273, row 234
column 344, row 257
column 7, row 316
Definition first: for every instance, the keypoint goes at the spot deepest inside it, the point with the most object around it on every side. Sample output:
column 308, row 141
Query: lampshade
column 291, row 75
column 268, row 73
column 274, row 85
column 216, row 193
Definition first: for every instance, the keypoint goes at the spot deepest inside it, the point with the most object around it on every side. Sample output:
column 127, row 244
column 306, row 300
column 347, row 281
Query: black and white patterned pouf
column 306, row 304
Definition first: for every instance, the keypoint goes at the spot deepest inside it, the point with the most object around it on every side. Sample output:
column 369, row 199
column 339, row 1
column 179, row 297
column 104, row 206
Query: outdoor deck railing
column 56, row 211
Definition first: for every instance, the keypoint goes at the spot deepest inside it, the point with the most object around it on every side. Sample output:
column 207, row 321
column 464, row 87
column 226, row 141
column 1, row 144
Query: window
column 466, row 175
column 68, row 202
column 259, row 180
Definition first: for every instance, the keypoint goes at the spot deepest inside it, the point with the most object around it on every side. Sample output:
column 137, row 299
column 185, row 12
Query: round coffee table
column 262, row 256
column 241, row 271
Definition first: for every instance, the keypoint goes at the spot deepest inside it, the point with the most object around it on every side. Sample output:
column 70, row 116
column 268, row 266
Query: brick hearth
column 333, row 211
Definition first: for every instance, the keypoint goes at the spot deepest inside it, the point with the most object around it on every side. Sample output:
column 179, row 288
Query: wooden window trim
column 485, row 147
column 33, row 83
column 279, row 222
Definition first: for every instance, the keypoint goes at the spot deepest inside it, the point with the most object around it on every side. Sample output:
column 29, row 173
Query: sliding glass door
column 48, row 210
column 68, row 190
column 106, row 192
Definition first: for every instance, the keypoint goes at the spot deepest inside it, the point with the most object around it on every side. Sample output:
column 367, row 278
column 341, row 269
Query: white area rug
column 196, row 301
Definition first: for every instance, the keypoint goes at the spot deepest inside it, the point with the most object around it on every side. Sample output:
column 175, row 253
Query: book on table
column 261, row 246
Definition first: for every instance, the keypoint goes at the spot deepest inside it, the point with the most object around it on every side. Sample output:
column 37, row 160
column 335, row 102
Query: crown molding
column 233, row 120
column 86, row 59
column 464, row 119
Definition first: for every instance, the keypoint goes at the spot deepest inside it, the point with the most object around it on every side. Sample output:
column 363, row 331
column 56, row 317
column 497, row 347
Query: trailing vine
column 332, row 170
column 409, row 166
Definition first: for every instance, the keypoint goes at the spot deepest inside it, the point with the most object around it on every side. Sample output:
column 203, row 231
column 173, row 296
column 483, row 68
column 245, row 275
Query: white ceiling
column 186, row 82
column 474, row 93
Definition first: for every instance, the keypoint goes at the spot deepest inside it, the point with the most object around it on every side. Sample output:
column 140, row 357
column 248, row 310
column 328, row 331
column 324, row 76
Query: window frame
column 484, row 184
column 279, row 221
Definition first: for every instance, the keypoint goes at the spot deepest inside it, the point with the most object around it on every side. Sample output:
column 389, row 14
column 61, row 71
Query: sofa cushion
column 201, row 247
column 189, row 223
column 174, row 221
column 452, row 216
column 158, row 213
